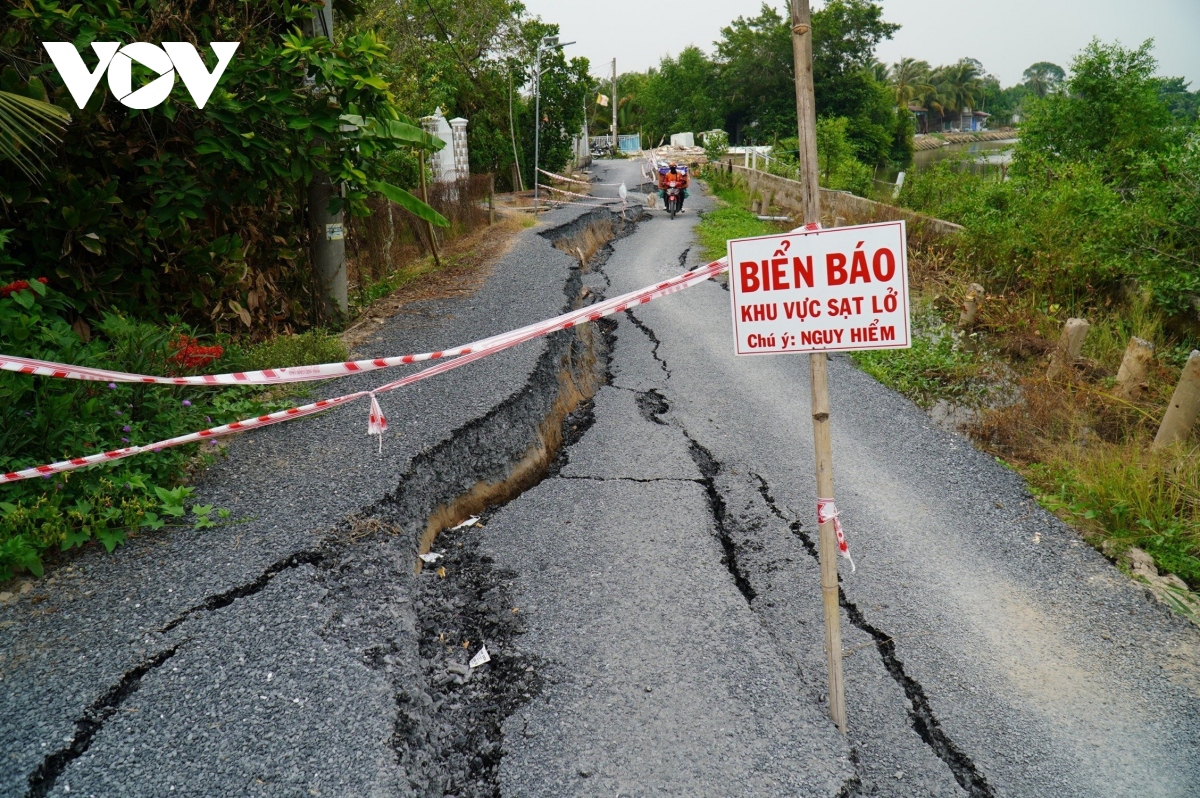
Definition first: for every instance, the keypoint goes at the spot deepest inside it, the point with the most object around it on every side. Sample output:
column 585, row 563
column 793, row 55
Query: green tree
column 682, row 95
column 1044, row 78
column 959, row 87
column 194, row 211
column 845, row 34
column 909, row 79
column 757, row 76
column 1111, row 115
column 1184, row 105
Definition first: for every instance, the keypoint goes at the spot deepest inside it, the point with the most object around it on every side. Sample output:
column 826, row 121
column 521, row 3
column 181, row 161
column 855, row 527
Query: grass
column 1085, row 452
column 730, row 220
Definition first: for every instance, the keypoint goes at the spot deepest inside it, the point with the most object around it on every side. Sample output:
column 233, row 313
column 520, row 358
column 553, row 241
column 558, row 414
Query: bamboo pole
column 428, row 224
column 811, row 205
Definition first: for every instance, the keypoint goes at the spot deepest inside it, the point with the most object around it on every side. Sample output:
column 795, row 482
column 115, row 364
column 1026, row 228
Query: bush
column 184, row 210
column 44, row 419
column 716, row 144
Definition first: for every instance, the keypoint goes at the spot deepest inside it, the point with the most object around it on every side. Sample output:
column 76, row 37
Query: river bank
column 933, row 141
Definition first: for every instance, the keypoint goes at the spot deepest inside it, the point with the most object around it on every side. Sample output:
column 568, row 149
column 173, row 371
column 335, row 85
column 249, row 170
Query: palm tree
column 1044, row 78
column 26, row 125
column 880, row 72
column 959, row 86
column 910, row 80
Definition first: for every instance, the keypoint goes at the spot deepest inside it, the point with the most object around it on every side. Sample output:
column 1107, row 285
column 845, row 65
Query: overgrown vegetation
column 1101, row 220
column 44, row 420
column 189, row 211
column 731, row 219
column 175, row 240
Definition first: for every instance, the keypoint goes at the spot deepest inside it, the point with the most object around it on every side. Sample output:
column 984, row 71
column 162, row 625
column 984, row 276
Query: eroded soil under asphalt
column 643, row 575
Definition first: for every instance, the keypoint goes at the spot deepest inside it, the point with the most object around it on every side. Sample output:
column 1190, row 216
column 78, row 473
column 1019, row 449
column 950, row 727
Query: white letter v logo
column 74, row 72
column 188, row 64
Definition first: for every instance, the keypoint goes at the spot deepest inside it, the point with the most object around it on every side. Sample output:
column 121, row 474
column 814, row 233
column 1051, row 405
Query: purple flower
column 187, row 403
column 112, row 386
column 207, row 420
column 46, row 476
column 126, row 440
column 212, row 443
column 118, row 412
column 126, row 428
column 157, row 450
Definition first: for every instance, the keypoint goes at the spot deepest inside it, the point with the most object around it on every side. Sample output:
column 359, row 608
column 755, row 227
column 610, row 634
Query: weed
column 731, row 220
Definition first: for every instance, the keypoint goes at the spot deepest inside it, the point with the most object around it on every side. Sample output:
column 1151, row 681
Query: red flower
column 190, row 355
column 43, row 281
column 12, row 288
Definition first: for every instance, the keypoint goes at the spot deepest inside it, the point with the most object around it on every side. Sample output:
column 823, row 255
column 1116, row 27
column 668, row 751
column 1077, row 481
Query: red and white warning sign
column 832, row 290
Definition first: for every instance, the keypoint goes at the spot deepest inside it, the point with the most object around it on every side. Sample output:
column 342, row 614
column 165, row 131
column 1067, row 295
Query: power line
column 446, row 36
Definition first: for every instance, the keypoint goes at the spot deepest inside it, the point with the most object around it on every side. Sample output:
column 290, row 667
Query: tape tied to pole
column 828, row 511
column 376, row 421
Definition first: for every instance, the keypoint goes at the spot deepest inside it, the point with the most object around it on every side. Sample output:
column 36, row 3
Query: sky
column 1006, row 35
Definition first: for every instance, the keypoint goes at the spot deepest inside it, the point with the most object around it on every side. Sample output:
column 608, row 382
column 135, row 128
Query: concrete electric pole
column 327, row 230
column 614, row 107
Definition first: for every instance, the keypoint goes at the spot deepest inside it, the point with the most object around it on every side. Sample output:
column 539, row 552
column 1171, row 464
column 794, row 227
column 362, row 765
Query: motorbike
column 674, row 200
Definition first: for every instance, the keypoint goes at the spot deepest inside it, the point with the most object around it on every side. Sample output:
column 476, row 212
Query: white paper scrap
column 430, row 557
column 482, row 658
column 469, row 522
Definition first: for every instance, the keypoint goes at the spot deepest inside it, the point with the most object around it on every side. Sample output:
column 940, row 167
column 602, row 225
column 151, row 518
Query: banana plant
column 390, row 134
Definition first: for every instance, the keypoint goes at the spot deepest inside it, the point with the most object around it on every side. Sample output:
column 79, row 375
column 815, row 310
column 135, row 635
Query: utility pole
column 810, row 201
column 327, row 229
column 614, row 107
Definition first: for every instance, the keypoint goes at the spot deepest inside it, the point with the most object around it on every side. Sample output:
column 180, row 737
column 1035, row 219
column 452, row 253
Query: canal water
column 980, row 157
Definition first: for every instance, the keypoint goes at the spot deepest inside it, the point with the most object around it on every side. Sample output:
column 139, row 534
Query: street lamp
column 547, row 44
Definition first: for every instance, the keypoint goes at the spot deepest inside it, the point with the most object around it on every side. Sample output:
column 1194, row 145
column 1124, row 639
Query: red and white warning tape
column 573, row 194
column 377, row 423
column 828, row 511
column 566, row 179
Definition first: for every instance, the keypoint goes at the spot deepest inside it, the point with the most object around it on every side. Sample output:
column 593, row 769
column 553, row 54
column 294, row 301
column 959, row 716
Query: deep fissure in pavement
column 649, row 333
column 921, row 715
column 42, row 780
column 448, row 729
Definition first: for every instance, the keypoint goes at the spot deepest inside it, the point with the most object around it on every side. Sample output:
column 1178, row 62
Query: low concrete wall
column 837, row 205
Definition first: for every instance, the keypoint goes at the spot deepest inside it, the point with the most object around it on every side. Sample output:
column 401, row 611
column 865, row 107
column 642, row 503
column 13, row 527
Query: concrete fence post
column 1070, row 344
column 1185, row 406
column 1131, row 377
column 970, row 308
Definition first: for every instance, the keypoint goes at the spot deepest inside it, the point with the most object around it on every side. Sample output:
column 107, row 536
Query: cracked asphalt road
column 652, row 605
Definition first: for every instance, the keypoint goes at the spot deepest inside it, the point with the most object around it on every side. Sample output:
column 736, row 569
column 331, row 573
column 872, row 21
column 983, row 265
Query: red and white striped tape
column 566, row 179
column 377, row 422
column 828, row 511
